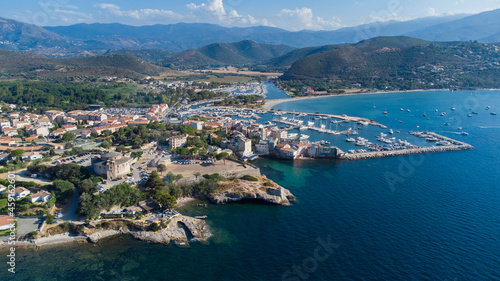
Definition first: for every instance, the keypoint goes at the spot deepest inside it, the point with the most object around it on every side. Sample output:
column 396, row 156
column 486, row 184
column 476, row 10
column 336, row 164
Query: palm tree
column 197, row 174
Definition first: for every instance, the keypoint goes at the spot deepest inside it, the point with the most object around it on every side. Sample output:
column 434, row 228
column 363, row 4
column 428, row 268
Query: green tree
column 165, row 199
column 106, row 144
column 222, row 155
column 136, row 154
column 18, row 153
column 68, row 136
column 162, row 168
column 50, row 219
column 154, row 182
column 62, row 188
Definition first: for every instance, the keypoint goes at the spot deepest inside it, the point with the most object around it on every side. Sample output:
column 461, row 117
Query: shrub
column 154, row 227
column 249, row 178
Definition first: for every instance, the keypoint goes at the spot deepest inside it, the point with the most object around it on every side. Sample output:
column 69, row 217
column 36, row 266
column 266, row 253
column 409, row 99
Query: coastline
column 271, row 103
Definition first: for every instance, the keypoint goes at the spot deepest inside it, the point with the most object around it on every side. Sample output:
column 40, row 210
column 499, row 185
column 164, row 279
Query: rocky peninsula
column 254, row 188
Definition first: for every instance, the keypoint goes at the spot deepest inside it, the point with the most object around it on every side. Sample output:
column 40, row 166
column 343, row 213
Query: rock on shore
column 263, row 189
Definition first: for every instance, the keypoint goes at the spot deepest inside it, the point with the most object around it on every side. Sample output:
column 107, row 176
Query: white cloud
column 215, row 12
column 303, row 18
column 56, row 5
column 431, row 11
column 138, row 14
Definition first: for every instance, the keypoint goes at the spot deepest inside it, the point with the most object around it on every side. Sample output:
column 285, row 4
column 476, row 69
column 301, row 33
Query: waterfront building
column 318, row 150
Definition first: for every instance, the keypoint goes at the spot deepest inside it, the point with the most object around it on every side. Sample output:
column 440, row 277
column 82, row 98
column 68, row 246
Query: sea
column 421, row 217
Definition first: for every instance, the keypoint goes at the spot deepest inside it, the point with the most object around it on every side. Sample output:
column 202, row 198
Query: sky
column 287, row 14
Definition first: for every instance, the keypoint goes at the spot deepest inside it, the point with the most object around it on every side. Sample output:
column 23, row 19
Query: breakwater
column 452, row 145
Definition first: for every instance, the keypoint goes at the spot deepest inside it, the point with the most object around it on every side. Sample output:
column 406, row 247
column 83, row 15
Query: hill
column 218, row 54
column 411, row 66
column 483, row 27
column 33, row 66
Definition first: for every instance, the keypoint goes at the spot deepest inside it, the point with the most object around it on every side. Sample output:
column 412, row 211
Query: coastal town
column 205, row 148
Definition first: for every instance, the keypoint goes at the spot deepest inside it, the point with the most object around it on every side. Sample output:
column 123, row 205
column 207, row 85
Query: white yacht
column 350, row 140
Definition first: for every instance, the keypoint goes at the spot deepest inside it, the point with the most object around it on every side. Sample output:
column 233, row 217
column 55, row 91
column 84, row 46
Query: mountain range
column 399, row 63
column 97, row 38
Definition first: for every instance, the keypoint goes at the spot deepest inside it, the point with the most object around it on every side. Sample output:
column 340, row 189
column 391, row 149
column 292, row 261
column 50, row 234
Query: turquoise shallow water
column 431, row 217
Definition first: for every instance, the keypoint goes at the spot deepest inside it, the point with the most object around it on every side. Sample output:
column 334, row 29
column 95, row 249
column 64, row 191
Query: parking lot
column 28, row 224
column 82, row 159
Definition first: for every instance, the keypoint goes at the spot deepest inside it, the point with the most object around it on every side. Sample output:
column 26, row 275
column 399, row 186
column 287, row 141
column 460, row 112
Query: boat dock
column 341, row 117
column 453, row 145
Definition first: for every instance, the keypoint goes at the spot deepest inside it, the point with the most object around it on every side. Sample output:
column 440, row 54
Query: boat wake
column 489, row 127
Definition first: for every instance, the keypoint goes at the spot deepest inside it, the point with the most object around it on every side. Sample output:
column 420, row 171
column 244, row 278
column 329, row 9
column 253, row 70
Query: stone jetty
column 453, row 145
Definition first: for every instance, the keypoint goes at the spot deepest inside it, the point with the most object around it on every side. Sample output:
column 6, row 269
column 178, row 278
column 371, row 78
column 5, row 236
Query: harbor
column 447, row 144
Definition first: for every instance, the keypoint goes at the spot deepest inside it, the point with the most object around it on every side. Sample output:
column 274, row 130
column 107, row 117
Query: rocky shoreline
column 262, row 189
column 173, row 232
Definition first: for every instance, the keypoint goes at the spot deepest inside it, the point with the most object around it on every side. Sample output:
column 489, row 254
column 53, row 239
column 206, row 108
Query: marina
column 445, row 144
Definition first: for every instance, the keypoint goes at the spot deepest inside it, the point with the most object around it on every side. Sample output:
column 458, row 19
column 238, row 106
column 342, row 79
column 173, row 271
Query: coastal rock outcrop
column 262, row 189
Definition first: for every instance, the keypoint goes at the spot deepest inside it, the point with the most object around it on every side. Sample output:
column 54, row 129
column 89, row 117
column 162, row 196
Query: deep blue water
column 429, row 217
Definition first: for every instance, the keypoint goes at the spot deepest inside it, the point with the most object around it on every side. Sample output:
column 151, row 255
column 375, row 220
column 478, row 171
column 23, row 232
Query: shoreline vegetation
column 176, row 229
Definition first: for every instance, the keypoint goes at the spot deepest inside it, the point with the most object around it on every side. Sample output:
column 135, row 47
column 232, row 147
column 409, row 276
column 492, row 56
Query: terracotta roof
column 6, row 220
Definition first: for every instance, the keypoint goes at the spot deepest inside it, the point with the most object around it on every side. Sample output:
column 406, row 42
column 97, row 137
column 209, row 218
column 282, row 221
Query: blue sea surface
column 421, row 217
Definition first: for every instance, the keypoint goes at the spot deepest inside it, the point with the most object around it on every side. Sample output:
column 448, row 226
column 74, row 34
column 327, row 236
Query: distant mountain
column 97, row 39
column 182, row 36
column 16, row 35
column 392, row 42
column 402, row 62
column 150, row 55
column 34, row 66
column 289, row 58
column 483, row 27
column 239, row 53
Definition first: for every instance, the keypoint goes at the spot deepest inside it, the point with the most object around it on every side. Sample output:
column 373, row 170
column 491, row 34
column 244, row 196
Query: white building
column 40, row 197
column 21, row 192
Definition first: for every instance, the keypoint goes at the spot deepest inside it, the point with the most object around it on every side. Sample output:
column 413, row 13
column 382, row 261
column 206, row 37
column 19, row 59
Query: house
column 58, row 132
column 198, row 125
column 52, row 114
column 149, row 205
column 20, row 192
column 69, row 127
column 2, row 188
column 85, row 133
column 262, row 148
column 20, row 124
column 112, row 128
column 9, row 131
column 31, row 156
column 4, row 123
column 10, row 141
column 134, row 210
column 40, row 197
column 40, row 130
column 6, row 222
column 55, row 146
column 213, row 125
column 31, row 138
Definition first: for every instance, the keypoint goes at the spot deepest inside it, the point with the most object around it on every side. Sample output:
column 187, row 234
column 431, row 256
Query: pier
column 453, row 145
column 341, row 117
